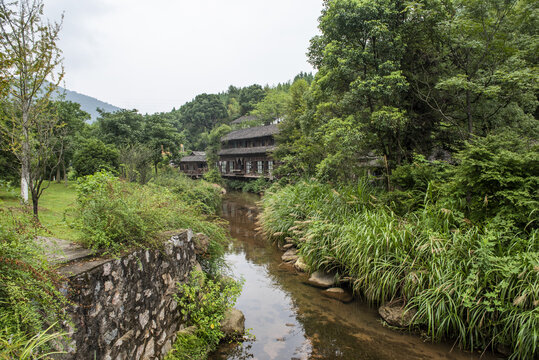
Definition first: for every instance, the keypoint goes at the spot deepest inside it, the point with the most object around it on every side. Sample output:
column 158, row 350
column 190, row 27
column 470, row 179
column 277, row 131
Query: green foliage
column 257, row 186
column 29, row 299
column 198, row 192
column 201, row 115
column 93, row 155
column 497, row 181
column 465, row 281
column 18, row 346
column 124, row 127
column 203, row 302
column 249, row 96
column 412, row 181
column 113, row 214
column 397, row 79
column 213, row 146
column 135, row 163
column 272, row 107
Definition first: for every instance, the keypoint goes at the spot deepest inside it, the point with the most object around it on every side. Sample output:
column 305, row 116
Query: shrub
column 200, row 192
column 93, row 155
column 204, row 302
column 114, row 214
column 497, row 181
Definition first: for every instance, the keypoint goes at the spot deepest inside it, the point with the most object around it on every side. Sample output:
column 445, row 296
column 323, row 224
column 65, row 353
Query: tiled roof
column 247, row 150
column 250, row 133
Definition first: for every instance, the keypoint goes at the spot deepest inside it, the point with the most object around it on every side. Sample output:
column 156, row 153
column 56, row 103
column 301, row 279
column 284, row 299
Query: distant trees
column 249, row 96
column 28, row 44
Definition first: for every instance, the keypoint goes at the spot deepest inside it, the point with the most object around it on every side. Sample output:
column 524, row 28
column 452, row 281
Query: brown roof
column 247, row 150
column 195, row 156
column 250, row 133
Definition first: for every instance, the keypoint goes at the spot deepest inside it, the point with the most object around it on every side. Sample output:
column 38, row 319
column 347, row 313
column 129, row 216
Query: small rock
column 144, row 318
column 395, row 314
column 321, row 279
column 287, row 246
column 233, row 324
column 300, row 265
column 338, row 294
column 202, row 242
column 290, row 255
column 150, row 350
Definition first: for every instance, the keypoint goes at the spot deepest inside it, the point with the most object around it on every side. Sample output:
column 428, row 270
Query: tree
column 212, row 152
column 93, row 155
column 30, row 44
column 72, row 122
column 123, row 127
column 272, row 107
column 160, row 136
column 202, row 114
column 249, row 96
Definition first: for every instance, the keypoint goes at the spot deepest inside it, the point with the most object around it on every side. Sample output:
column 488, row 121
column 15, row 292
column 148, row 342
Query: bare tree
column 34, row 72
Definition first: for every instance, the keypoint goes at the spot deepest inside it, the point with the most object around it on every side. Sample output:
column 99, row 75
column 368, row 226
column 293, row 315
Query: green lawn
column 52, row 205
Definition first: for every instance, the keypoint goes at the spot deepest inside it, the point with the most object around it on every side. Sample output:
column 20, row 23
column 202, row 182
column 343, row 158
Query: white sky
column 156, row 55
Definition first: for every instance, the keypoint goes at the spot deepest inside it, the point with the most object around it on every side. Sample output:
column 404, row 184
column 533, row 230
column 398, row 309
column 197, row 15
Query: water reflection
column 292, row 320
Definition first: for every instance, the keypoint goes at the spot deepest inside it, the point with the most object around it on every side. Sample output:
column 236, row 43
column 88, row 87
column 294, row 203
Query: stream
column 292, row 320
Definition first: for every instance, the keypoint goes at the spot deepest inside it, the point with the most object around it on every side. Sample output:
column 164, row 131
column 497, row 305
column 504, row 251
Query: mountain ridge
column 87, row 103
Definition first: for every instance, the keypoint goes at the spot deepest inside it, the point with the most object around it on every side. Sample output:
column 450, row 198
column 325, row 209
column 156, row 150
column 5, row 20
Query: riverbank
column 291, row 319
column 460, row 285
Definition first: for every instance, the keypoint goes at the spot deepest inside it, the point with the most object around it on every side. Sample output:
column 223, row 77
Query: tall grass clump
column 31, row 306
column 113, row 214
column 199, row 192
column 464, row 280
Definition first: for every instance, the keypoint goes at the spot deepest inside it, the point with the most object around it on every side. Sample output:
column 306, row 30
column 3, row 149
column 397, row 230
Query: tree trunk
column 64, row 169
column 25, row 161
column 58, row 175
column 34, row 206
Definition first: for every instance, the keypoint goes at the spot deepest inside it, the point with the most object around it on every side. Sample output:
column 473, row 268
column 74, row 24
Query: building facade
column 194, row 164
column 246, row 153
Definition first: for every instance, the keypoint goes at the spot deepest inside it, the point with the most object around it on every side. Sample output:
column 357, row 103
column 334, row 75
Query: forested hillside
column 87, row 103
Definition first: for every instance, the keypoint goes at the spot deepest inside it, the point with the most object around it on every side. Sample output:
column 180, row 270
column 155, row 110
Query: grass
column 52, row 206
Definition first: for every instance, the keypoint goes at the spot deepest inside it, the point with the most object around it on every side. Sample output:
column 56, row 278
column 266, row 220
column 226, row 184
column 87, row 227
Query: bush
column 200, row 192
column 135, row 163
column 204, row 302
column 497, row 180
column 93, row 155
column 114, row 214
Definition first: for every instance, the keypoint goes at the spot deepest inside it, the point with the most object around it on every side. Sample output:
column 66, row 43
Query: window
column 270, row 166
column 248, row 166
column 223, row 166
column 259, row 165
column 231, row 166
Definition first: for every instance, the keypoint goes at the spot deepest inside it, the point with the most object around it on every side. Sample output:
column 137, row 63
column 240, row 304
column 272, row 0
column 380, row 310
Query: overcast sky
column 159, row 54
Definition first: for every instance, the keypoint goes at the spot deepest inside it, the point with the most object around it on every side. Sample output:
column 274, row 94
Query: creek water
column 292, row 320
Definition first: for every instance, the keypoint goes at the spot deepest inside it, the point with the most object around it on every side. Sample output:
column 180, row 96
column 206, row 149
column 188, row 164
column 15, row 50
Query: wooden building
column 194, row 164
column 246, row 153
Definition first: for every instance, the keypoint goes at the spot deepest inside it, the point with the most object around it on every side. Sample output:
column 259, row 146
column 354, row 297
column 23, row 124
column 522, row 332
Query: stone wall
column 123, row 308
